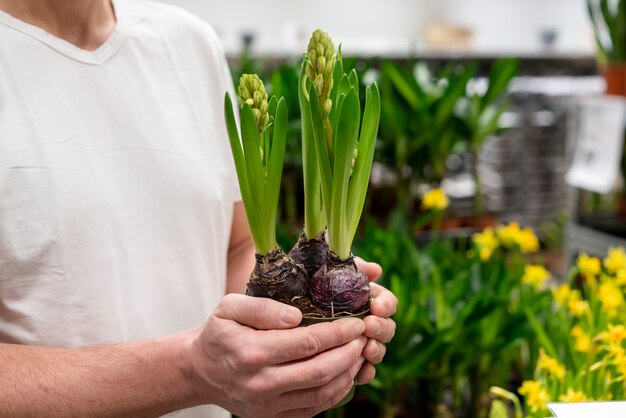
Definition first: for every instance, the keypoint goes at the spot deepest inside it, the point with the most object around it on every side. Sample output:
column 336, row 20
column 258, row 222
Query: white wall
column 396, row 26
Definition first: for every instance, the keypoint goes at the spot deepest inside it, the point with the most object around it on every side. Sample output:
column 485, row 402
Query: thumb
column 258, row 313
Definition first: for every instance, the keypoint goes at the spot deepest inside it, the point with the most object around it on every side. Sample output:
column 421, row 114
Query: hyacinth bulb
column 278, row 277
column 339, row 285
column 310, row 252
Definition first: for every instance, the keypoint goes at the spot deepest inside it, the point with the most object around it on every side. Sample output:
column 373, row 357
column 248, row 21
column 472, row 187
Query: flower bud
column 252, row 92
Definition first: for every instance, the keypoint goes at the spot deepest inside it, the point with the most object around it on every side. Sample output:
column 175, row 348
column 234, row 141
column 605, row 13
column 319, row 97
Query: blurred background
column 496, row 203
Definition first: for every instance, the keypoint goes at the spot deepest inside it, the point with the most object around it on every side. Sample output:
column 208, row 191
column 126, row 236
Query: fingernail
column 289, row 316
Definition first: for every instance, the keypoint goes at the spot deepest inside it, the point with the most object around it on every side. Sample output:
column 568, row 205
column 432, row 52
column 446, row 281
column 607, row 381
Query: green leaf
column 250, row 205
column 404, row 83
column 343, row 147
column 321, row 148
column 500, row 77
column 456, row 89
column 363, row 164
column 543, row 337
column 275, row 170
column 314, row 217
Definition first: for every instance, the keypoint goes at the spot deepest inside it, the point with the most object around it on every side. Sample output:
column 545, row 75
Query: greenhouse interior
column 452, row 142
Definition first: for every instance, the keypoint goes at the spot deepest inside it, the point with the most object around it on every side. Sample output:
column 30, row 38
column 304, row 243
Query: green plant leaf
column 314, row 216
column 250, row 204
column 363, row 164
column 321, row 149
column 344, row 143
column 275, row 169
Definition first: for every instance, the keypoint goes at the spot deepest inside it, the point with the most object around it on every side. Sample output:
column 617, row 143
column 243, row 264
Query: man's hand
column 250, row 359
column 379, row 327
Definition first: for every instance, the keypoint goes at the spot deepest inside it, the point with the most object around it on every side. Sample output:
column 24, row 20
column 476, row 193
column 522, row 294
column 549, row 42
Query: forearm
column 139, row 379
column 240, row 263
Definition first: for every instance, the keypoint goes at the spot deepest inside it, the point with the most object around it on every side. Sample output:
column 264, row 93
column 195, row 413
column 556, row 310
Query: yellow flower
column 536, row 396
column 614, row 334
column 562, row 294
column 588, row 266
column 576, row 306
column 611, row 297
column 620, row 363
column 512, row 235
column 527, row 241
column 582, row 341
column 616, row 351
column 615, row 260
column 572, row 396
column 550, row 365
column 507, row 234
column 485, row 253
column 535, row 276
column 620, row 278
column 486, row 242
column 435, row 199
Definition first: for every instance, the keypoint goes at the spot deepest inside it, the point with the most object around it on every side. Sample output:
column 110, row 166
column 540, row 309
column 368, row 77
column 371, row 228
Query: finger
column 371, row 270
column 317, row 397
column 258, row 313
column 321, row 369
column 366, row 374
column 374, row 351
column 384, row 302
column 381, row 329
column 304, row 342
column 314, row 410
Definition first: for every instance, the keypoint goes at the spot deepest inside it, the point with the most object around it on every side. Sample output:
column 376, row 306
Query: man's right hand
column 252, row 359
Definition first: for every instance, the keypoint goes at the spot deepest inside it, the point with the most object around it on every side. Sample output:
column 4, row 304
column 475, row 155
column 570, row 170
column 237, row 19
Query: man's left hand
column 380, row 328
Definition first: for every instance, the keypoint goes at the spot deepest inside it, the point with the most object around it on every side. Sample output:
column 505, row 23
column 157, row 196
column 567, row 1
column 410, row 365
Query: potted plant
column 609, row 24
column 418, row 128
column 479, row 114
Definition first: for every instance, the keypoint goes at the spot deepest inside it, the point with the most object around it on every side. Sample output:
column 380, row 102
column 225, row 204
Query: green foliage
column 342, row 186
column 461, row 326
column 426, row 117
column 259, row 166
column 609, row 24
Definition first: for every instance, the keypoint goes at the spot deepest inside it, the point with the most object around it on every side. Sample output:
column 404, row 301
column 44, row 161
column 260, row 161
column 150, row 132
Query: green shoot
column 259, row 163
column 318, row 68
column 344, row 177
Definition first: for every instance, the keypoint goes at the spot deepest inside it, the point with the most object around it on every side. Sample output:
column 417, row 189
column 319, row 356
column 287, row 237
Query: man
column 120, row 219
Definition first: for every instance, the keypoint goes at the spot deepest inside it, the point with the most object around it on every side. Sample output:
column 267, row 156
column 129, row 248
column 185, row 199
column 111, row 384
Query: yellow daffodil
column 512, row 236
column 614, row 334
column 536, row 395
column 615, row 260
column 550, row 365
column 535, row 276
column 573, row 396
column 582, row 340
column 507, row 234
column 616, row 351
column 435, row 199
column 576, row 306
column 589, row 266
column 562, row 294
column 527, row 241
column 620, row 277
column 611, row 297
column 487, row 243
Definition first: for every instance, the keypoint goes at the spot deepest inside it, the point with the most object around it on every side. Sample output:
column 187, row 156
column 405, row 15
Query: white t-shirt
column 117, row 183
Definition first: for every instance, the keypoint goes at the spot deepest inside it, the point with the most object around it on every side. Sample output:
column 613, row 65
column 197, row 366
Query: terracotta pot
column 615, row 76
column 310, row 320
column 480, row 221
